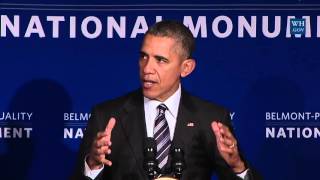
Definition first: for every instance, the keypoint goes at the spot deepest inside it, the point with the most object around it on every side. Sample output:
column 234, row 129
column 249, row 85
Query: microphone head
column 178, row 163
column 150, row 146
column 178, row 153
column 150, row 162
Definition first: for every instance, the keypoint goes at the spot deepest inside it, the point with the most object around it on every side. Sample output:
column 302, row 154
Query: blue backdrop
column 51, row 74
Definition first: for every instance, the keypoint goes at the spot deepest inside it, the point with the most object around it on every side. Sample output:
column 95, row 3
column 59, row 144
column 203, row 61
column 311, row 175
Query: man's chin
column 149, row 94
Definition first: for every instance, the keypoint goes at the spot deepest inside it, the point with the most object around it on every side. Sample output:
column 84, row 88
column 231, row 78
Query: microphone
column 150, row 163
column 178, row 163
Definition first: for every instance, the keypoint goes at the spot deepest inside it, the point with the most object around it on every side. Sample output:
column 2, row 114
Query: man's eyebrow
column 143, row 53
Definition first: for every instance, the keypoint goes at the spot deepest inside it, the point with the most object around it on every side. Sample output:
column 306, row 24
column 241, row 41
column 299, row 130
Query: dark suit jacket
column 128, row 138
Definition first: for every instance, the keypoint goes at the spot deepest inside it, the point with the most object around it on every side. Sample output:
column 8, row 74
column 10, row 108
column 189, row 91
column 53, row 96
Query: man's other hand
column 100, row 147
column 227, row 146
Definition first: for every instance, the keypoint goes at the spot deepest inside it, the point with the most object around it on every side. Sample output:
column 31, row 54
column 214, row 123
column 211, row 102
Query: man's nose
column 148, row 66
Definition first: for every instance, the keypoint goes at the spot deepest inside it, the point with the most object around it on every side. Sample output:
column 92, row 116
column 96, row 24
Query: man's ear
column 187, row 67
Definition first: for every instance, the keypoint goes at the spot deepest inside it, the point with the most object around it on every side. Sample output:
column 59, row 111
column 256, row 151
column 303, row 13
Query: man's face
column 160, row 67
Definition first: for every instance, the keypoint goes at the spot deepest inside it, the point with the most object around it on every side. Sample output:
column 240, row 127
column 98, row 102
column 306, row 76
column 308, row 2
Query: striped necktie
column 161, row 134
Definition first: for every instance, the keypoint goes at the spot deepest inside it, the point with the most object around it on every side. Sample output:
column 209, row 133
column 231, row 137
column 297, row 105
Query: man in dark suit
column 113, row 144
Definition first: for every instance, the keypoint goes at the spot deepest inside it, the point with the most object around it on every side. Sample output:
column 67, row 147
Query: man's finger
column 101, row 135
column 103, row 142
column 229, row 142
column 225, row 149
column 103, row 150
column 214, row 127
column 224, row 131
column 110, row 126
column 223, row 135
column 106, row 162
column 226, row 146
column 216, row 130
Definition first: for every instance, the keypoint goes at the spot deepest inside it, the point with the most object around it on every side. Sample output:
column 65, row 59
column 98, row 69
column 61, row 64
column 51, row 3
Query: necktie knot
column 162, row 108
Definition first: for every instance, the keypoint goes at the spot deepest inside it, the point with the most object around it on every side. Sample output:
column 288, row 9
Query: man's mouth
column 148, row 83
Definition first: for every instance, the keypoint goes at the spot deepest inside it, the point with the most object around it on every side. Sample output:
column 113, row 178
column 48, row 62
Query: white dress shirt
column 151, row 112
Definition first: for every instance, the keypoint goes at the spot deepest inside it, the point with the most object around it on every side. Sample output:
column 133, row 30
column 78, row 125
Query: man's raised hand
column 101, row 146
column 227, row 146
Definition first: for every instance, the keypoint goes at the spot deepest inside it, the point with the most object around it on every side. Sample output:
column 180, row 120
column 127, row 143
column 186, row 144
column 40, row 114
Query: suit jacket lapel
column 184, row 118
column 133, row 124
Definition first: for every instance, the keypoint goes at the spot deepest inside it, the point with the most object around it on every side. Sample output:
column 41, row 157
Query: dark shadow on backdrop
column 43, row 156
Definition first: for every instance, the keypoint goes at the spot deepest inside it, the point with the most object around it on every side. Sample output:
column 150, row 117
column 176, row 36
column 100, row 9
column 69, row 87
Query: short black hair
column 177, row 31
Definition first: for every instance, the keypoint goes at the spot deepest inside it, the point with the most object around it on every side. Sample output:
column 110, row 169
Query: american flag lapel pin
column 190, row 124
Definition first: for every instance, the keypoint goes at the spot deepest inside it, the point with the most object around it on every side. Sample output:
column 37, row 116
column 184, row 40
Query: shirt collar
column 172, row 102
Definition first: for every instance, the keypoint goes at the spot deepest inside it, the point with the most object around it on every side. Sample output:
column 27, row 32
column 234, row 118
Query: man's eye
column 162, row 59
column 143, row 56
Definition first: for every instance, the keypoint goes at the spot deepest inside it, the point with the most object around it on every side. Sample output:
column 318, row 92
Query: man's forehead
column 165, row 41
column 159, row 38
